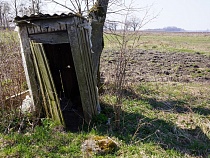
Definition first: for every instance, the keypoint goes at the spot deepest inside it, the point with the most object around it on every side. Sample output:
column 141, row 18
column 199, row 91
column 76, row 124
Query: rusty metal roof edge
column 41, row 16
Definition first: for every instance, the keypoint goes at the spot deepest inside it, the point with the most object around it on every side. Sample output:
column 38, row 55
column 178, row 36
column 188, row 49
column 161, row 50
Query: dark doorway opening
column 64, row 76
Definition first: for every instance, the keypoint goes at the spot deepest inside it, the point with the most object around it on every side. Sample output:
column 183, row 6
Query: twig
column 64, row 6
column 21, row 125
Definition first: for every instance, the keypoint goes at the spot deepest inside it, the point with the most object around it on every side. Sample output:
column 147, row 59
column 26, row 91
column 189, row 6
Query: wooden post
column 28, row 65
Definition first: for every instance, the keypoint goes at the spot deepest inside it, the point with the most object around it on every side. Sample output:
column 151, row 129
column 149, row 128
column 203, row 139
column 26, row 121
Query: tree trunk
column 0, row 15
column 97, row 18
column 16, row 8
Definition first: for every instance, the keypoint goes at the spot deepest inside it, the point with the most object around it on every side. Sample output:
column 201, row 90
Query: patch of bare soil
column 149, row 65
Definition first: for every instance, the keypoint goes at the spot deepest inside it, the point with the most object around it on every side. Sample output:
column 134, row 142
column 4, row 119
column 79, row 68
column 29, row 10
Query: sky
column 186, row 14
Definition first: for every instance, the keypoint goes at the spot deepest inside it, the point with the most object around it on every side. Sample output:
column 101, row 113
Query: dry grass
column 12, row 78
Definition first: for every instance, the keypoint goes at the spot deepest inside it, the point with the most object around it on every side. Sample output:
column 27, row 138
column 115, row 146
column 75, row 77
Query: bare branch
column 73, row 5
column 73, row 11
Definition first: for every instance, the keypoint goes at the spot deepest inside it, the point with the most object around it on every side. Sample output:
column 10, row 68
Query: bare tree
column 134, row 22
column 23, row 7
column 15, row 4
column 35, row 6
column 95, row 11
column 4, row 14
column 127, row 25
column 111, row 25
column 125, row 43
column 9, row 10
column 1, row 20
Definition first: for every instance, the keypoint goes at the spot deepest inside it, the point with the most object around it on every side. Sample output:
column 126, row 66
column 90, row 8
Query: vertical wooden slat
column 88, row 63
column 48, row 84
column 46, row 106
column 44, row 77
column 91, row 72
column 82, row 69
column 79, row 41
column 79, row 67
column 51, row 89
column 86, row 70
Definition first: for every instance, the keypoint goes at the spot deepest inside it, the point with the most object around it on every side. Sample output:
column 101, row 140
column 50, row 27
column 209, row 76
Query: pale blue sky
column 186, row 14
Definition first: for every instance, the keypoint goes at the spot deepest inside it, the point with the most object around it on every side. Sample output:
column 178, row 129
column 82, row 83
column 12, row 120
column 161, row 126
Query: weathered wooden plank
column 89, row 63
column 62, row 26
column 89, row 80
column 16, row 99
column 45, row 103
column 51, row 38
column 85, row 69
column 28, row 65
column 51, row 24
column 30, row 29
column 79, row 67
column 92, row 77
column 39, row 60
column 44, row 29
column 48, row 85
column 37, row 29
column 55, row 103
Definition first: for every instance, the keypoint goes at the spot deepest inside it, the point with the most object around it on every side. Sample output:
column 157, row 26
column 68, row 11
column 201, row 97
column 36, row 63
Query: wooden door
column 51, row 102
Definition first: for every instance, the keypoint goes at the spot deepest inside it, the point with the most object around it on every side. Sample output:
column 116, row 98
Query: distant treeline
column 168, row 29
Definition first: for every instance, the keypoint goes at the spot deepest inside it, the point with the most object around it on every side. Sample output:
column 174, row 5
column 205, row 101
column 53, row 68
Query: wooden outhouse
column 56, row 52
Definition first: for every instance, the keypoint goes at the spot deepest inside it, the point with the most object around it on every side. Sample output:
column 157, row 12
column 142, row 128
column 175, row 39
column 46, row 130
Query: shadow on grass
column 202, row 111
column 175, row 106
column 138, row 127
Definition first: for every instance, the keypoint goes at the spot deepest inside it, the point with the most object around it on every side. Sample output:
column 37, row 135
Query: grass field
column 160, row 118
column 169, row 42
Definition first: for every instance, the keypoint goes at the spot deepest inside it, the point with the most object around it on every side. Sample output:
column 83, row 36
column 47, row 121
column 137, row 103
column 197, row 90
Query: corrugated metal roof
column 41, row 16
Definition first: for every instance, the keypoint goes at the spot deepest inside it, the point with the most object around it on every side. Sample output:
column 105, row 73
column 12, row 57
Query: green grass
column 158, row 120
column 168, row 115
column 44, row 141
column 166, row 42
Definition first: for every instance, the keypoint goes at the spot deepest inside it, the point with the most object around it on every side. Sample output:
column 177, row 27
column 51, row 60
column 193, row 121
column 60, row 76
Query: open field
column 178, row 42
column 185, row 57
column 170, row 71
column 169, row 42
column 155, row 66
column 165, row 109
